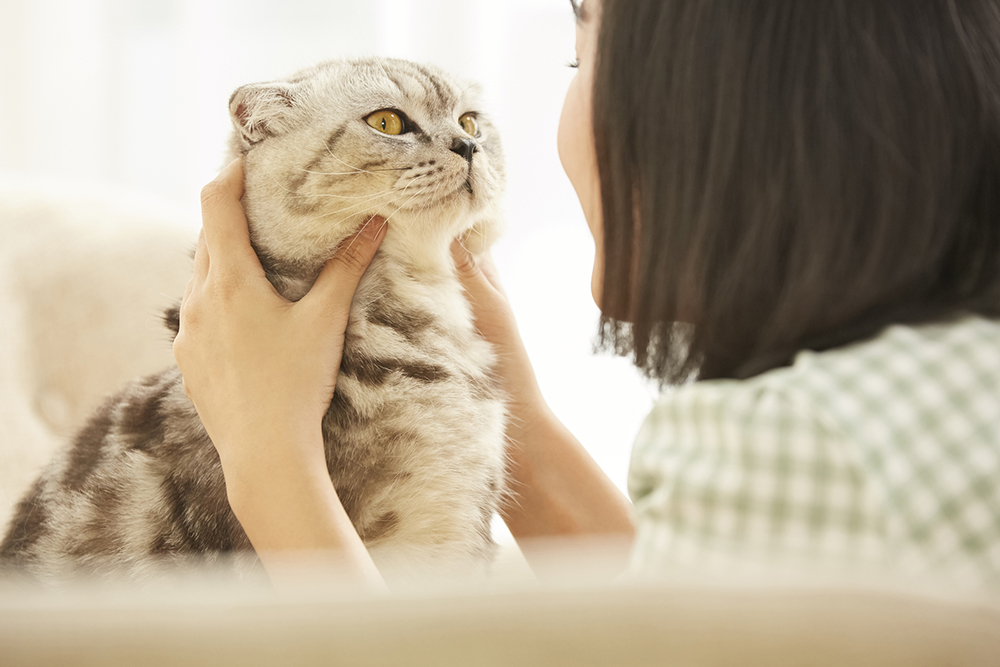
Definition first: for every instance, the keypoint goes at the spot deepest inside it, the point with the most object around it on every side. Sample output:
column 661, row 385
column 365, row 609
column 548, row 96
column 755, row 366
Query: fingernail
column 228, row 168
column 372, row 229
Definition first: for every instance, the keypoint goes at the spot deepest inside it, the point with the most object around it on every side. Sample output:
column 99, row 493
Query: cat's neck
column 425, row 259
column 397, row 260
column 417, row 251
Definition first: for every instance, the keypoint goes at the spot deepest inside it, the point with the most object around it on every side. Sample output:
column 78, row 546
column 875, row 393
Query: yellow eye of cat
column 386, row 122
column 469, row 124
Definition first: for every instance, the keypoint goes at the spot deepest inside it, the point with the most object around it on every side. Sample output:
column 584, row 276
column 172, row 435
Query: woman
column 794, row 203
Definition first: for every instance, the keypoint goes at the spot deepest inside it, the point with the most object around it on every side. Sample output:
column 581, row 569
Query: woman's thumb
column 342, row 273
column 477, row 275
column 465, row 263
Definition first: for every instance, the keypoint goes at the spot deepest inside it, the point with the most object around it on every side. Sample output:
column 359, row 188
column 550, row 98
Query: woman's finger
column 477, row 275
column 224, row 222
column 201, row 260
column 187, row 292
column 340, row 277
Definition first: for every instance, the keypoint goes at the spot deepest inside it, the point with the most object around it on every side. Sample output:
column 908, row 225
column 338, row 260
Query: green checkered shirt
column 885, row 453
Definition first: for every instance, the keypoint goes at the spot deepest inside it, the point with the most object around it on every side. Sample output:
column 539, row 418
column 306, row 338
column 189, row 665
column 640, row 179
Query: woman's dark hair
column 785, row 175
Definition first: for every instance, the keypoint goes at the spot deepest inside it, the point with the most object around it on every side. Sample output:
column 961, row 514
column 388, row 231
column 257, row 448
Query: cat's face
column 345, row 140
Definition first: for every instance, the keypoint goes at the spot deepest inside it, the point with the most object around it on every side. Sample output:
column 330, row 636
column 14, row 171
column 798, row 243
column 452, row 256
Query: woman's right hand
column 560, row 490
column 494, row 319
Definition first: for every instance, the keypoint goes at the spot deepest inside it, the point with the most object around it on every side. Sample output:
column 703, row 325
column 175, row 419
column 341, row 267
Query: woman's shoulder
column 949, row 365
column 956, row 352
column 933, row 385
column 881, row 408
column 887, row 445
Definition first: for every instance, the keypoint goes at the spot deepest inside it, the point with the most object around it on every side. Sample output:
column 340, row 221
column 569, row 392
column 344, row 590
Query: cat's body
column 414, row 435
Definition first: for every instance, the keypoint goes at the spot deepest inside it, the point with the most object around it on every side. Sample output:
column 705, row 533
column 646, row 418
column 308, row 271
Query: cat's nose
column 464, row 147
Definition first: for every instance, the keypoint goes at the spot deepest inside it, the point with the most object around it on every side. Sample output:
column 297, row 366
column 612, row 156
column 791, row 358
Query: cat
column 414, row 435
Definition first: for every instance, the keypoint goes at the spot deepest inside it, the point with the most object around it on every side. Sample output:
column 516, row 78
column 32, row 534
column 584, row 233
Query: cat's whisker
column 317, row 196
column 351, row 173
column 348, row 208
column 392, row 192
column 401, row 207
column 355, row 214
column 382, row 67
column 344, row 209
column 364, row 226
column 387, row 218
column 349, row 216
column 378, row 212
column 293, row 193
column 361, row 229
column 386, row 221
column 347, row 164
column 474, row 229
column 402, row 193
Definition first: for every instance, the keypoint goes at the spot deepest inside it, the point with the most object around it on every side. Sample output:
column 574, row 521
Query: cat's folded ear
column 261, row 110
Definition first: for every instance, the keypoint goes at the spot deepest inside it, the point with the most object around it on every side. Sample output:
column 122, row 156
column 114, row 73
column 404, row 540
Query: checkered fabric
column 884, row 453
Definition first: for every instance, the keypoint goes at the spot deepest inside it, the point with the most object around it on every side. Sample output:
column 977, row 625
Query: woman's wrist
column 271, row 461
column 291, row 513
column 529, row 416
column 301, row 532
column 287, row 512
column 558, row 488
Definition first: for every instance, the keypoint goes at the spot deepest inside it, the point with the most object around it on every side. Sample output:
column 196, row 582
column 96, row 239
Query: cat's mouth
column 468, row 186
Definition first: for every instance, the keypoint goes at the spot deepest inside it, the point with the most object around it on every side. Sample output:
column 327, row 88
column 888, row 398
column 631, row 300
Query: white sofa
column 683, row 625
column 83, row 280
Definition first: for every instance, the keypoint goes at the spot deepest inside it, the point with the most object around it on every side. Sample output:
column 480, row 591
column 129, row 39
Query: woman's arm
column 261, row 371
column 559, row 490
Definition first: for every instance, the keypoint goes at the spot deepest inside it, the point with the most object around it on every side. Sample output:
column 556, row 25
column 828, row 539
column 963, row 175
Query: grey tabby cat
column 414, row 434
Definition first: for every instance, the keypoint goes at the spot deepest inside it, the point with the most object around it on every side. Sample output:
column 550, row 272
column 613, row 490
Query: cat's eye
column 387, row 121
column 469, row 124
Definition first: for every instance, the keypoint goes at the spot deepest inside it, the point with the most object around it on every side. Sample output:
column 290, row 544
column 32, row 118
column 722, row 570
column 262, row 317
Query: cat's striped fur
column 414, row 436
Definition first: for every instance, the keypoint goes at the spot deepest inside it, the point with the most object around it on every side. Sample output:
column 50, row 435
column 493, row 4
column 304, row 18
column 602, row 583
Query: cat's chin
column 423, row 250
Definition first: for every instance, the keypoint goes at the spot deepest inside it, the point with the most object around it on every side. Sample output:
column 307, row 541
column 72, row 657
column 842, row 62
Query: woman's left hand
column 258, row 367
column 261, row 371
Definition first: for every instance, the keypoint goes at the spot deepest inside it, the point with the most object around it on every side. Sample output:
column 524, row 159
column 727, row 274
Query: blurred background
column 130, row 96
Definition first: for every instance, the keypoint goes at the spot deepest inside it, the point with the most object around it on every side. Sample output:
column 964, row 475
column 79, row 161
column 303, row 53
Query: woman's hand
column 495, row 322
column 261, row 371
column 250, row 358
column 558, row 489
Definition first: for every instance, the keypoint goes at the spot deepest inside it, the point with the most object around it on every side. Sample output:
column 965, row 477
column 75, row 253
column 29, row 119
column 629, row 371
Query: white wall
column 132, row 94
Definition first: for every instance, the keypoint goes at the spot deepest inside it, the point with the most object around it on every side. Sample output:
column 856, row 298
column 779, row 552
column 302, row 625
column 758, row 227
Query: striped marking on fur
column 375, row 372
column 142, row 421
column 342, row 414
column 382, row 527
column 408, row 324
column 437, row 87
column 87, row 448
column 28, row 524
column 299, row 203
